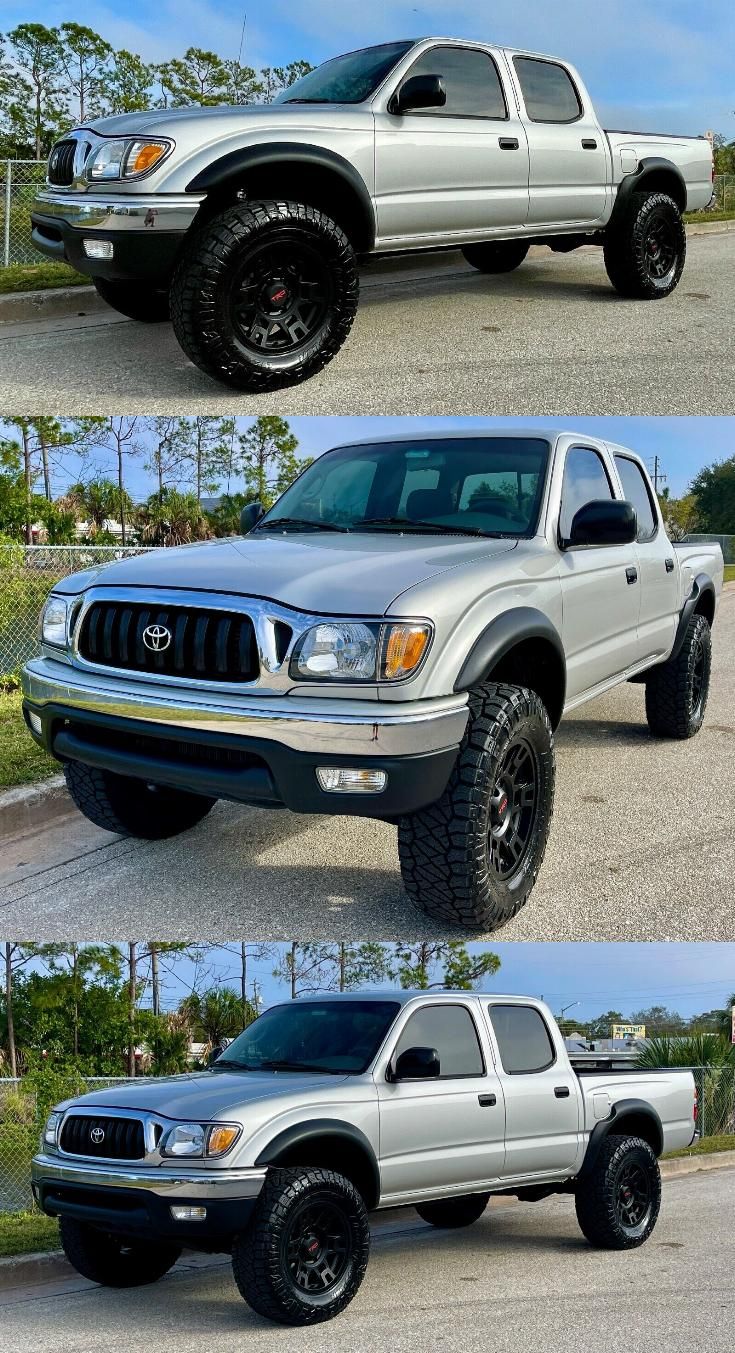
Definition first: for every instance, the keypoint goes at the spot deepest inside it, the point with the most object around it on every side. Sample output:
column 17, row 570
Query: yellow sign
column 628, row 1030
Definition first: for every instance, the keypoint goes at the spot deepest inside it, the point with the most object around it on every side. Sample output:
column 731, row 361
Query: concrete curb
column 30, row 807
column 714, row 1160
column 70, row 302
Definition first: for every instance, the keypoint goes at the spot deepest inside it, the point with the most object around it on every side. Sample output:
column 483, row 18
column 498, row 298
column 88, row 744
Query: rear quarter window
column 524, row 1042
column 549, row 92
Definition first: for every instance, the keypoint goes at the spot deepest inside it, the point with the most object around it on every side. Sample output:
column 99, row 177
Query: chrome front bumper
column 117, row 212
column 164, row 1181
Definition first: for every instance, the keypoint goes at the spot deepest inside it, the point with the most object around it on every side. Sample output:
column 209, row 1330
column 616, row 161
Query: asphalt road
column 432, row 337
column 522, row 1278
column 642, row 847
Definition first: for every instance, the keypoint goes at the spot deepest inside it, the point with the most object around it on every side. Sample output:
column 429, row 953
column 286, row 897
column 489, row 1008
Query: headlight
column 127, row 158
column 51, row 1130
column 197, row 1139
column 339, row 650
column 53, row 622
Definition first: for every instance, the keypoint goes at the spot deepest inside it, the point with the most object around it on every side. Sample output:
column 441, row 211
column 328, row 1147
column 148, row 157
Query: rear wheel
column 677, row 690
column 618, row 1202
column 496, row 255
column 137, row 300
column 132, row 807
column 645, row 247
column 114, row 1261
column 452, row 1213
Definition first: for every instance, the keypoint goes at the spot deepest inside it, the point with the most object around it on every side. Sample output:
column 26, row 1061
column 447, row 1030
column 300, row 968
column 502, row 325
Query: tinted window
column 332, row 1035
column 451, row 1030
column 548, row 91
column 523, row 1038
column 638, row 493
column 585, row 481
column 347, row 79
column 471, row 79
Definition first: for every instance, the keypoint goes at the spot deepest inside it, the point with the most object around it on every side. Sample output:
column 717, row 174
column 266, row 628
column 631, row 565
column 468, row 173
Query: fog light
column 188, row 1213
column 351, row 780
column 98, row 248
column 35, row 722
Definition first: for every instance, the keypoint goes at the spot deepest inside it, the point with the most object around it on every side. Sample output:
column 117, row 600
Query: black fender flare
column 702, row 586
column 229, row 168
column 301, row 1134
column 503, row 634
column 636, row 182
column 625, row 1108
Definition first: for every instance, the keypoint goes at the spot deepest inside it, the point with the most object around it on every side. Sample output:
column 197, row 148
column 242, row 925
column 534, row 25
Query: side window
column 638, row 493
column 451, row 1030
column 523, row 1039
column 471, row 79
column 585, row 480
column 548, row 90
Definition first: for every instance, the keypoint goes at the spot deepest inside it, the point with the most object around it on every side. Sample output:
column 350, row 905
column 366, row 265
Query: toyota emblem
column 97, row 1135
column 157, row 638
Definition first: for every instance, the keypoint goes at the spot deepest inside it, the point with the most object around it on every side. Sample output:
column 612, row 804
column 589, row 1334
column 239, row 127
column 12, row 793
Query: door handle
column 670, row 566
column 487, row 1101
column 561, row 1091
column 508, row 142
column 632, row 575
column 589, row 143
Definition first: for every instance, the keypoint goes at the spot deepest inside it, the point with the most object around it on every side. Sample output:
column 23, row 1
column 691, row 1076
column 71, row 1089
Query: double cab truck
column 398, row 637
column 328, row 1108
column 246, row 224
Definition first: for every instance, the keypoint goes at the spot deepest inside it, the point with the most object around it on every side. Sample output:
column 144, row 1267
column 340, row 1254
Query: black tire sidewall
column 534, row 730
column 643, row 1156
column 699, row 634
column 453, row 1213
column 496, row 256
column 626, row 241
column 114, row 1261
column 596, row 1201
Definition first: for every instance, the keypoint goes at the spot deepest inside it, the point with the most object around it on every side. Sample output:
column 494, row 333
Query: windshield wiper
column 424, row 525
column 238, row 1066
column 300, row 521
column 299, row 1066
column 306, row 100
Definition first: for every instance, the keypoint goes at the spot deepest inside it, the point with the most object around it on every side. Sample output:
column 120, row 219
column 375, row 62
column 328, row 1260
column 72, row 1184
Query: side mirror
column 419, row 91
column 250, row 516
column 604, row 522
column 417, row 1064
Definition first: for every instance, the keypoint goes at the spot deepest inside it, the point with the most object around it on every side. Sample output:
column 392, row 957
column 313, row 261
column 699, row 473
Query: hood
column 324, row 574
column 170, row 120
column 202, row 1095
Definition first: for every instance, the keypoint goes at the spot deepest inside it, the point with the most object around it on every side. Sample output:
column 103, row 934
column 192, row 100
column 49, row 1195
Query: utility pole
column 133, row 964
column 244, row 980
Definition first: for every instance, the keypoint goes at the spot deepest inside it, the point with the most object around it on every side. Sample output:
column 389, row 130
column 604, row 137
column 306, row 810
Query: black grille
column 122, row 1138
column 167, row 749
column 206, row 645
column 61, row 163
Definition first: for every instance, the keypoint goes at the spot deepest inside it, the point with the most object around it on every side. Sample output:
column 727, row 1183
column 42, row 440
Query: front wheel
column 114, row 1261
column 646, row 246
column 677, row 690
column 618, row 1202
column 137, row 300
column 304, row 1253
column 132, row 807
column 264, row 294
column 496, row 256
column 472, row 857
column 451, row 1213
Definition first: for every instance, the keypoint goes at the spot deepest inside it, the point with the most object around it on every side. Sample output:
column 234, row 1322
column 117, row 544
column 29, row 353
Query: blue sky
column 649, row 64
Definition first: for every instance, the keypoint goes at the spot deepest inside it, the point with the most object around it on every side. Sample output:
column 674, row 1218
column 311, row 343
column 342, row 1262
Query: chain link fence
column 20, row 1127
column 726, row 544
column 20, row 178
column 27, row 575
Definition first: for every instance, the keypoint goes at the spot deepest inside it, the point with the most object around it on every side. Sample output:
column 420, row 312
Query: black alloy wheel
column 281, row 295
column 633, row 1196
column 661, row 247
column 513, row 809
column 317, row 1247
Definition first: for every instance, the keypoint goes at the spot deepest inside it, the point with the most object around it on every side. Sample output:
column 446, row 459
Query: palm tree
column 215, row 1015
column 173, row 519
column 97, row 502
column 725, row 1021
column 167, row 1037
column 712, row 1059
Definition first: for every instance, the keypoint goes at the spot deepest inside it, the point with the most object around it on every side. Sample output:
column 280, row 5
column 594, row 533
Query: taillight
column 696, row 1104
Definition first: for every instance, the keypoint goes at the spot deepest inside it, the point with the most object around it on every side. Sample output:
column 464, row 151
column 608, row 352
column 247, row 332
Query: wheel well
column 535, row 663
column 664, row 181
column 313, row 184
column 706, row 606
column 334, row 1153
column 638, row 1125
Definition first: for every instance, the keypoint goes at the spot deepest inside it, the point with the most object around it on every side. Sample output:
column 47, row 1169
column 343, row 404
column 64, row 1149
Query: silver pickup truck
column 397, row 638
column 246, row 223
column 330, row 1107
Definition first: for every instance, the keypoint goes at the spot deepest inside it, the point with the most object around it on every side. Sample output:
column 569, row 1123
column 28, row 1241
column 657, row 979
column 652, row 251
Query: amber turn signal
column 404, row 648
column 221, row 1138
column 144, row 155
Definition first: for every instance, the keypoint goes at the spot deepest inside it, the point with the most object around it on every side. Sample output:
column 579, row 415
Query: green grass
column 730, row 573
column 701, row 217
column 27, row 1233
column 705, row 1147
column 38, row 277
column 22, row 761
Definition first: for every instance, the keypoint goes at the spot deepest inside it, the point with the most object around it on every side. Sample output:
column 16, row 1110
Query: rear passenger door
column 568, row 154
column 542, row 1098
column 658, row 614
column 599, row 583
column 454, row 170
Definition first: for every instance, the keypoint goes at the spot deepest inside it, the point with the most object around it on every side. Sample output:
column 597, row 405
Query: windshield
column 341, row 1037
column 347, row 79
column 490, row 486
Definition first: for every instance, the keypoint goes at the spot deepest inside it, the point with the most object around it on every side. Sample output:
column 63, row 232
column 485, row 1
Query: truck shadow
column 581, row 732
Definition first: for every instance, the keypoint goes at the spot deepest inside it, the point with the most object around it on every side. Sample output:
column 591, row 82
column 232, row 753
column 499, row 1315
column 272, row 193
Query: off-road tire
column 132, row 807
column 259, row 1254
column 496, row 256
column 444, row 850
column 627, row 238
column 597, row 1197
column 677, row 690
column 137, row 300
column 205, row 275
column 451, row 1213
column 114, row 1261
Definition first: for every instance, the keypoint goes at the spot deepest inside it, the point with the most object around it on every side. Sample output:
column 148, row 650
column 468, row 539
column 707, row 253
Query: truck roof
column 402, row 997
column 550, row 434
